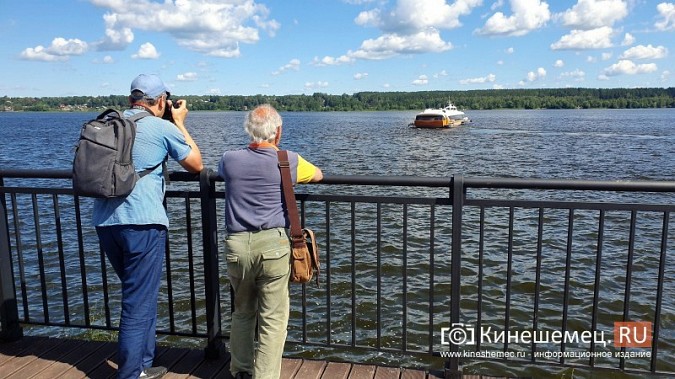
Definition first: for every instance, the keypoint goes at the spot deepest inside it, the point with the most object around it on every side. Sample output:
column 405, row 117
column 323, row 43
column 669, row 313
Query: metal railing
column 429, row 272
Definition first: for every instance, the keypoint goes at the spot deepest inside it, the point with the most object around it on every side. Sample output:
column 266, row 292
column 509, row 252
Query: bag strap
column 134, row 118
column 297, row 238
column 137, row 116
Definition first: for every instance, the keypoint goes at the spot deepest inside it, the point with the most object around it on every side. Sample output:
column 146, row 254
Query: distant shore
column 560, row 98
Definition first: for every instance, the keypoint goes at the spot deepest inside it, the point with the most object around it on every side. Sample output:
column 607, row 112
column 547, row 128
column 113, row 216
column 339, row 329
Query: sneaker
column 153, row 372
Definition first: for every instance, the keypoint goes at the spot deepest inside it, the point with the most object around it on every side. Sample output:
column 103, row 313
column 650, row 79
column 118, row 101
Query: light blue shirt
column 155, row 139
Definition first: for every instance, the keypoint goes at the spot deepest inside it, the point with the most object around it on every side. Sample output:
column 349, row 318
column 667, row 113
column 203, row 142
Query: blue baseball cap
column 150, row 84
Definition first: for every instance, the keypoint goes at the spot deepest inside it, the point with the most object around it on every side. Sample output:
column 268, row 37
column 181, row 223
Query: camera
column 167, row 110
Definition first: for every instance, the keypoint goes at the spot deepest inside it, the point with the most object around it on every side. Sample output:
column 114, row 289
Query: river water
column 559, row 144
column 580, row 144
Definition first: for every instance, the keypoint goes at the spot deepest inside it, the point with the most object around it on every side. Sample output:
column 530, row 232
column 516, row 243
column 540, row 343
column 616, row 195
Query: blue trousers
column 136, row 252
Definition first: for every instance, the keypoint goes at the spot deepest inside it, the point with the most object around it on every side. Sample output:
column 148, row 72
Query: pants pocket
column 276, row 263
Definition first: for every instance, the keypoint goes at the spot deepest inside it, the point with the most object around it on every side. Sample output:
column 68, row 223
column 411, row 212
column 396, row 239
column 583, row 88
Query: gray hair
column 262, row 122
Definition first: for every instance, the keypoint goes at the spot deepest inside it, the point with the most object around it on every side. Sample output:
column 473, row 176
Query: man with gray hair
column 258, row 245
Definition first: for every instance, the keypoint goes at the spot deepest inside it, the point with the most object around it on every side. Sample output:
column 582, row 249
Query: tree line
column 560, row 98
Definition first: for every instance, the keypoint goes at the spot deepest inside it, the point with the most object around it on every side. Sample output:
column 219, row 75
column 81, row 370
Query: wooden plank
column 92, row 361
column 9, row 350
column 382, row 372
column 46, row 359
column 28, row 356
column 211, row 368
column 184, row 366
column 168, row 356
column 56, row 369
column 289, row 367
column 412, row 374
column 311, row 369
column 362, row 372
column 111, row 370
column 335, row 370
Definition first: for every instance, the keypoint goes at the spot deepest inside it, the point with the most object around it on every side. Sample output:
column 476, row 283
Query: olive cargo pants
column 258, row 265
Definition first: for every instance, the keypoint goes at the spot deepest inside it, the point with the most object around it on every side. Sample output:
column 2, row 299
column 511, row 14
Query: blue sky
column 282, row 47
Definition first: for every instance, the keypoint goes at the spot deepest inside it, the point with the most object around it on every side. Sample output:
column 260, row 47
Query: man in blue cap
column 133, row 229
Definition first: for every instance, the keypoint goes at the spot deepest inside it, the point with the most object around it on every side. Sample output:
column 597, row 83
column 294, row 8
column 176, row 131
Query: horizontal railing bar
column 36, row 173
column 26, row 173
column 37, row 190
column 373, row 199
column 571, row 184
column 494, row 183
column 387, row 180
column 608, row 206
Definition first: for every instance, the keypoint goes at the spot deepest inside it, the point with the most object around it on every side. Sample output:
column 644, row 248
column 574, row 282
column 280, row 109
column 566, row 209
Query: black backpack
column 103, row 166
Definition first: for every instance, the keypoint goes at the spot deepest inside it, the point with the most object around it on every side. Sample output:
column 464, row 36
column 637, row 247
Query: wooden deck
column 49, row 358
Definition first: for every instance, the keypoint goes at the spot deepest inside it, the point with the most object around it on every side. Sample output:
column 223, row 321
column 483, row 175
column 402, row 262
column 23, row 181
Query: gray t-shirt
column 253, row 196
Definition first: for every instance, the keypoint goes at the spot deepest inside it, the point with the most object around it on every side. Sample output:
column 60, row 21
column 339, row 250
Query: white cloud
column 187, row 77
column 585, row 39
column 332, row 61
column 117, row 37
column 510, row 50
column 211, row 27
column 489, row 78
column 559, row 63
column 540, row 73
column 592, row 14
column 146, row 51
column 667, row 14
column 628, row 40
column 61, row 49
column 410, row 16
column 577, row 75
column 106, row 60
column 390, row 45
column 319, row 84
column 408, row 27
column 360, row 75
column 421, row 81
column 441, row 74
column 293, row 64
column 528, row 15
column 629, row 68
column 606, row 56
column 665, row 75
column 645, row 52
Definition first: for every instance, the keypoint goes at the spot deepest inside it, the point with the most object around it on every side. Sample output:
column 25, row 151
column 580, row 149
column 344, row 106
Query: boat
column 446, row 117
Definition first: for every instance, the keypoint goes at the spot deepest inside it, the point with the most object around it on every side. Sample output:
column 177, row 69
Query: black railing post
column 207, row 191
column 10, row 329
column 452, row 365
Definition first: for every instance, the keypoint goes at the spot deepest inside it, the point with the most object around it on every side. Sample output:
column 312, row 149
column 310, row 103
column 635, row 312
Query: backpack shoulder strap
column 133, row 118
column 138, row 116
